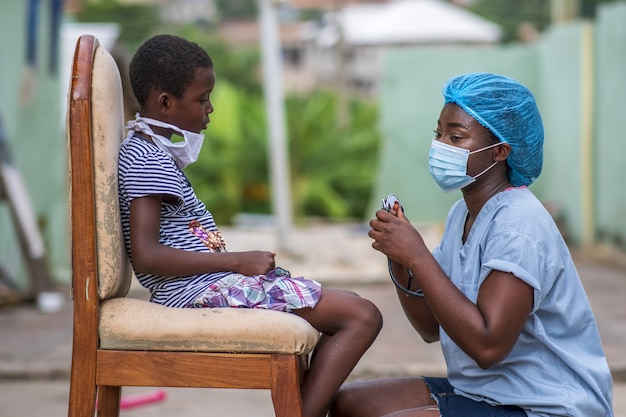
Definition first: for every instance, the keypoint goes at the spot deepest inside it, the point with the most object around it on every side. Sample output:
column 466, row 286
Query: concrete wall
column 609, row 152
column 34, row 126
column 410, row 106
column 576, row 72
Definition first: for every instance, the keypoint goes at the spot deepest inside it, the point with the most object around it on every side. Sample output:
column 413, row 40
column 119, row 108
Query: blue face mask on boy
column 448, row 165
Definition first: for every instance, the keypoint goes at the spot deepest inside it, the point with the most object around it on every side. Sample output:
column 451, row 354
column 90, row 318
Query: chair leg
column 109, row 401
column 82, row 401
column 286, row 386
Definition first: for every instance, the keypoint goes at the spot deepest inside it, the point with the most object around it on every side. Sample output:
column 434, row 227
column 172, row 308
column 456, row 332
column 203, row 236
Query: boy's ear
column 165, row 102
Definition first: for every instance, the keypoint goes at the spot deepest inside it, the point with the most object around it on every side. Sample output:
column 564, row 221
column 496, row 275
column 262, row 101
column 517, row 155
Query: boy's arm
column 151, row 257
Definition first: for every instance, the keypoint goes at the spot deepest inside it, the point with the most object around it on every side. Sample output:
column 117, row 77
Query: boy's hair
column 166, row 63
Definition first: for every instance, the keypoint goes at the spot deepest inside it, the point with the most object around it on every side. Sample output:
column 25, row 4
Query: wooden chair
column 122, row 341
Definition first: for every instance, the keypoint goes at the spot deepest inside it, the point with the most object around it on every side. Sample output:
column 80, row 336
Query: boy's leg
column 350, row 325
column 381, row 397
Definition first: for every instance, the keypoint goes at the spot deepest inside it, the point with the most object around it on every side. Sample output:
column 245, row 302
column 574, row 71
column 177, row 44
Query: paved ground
column 35, row 347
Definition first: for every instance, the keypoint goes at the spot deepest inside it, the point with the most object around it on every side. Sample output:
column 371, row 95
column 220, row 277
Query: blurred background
column 362, row 92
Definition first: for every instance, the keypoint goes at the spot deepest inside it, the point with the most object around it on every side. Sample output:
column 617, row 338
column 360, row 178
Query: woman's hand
column 394, row 236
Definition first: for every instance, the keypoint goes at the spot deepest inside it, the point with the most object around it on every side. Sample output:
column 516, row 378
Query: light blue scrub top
column 557, row 367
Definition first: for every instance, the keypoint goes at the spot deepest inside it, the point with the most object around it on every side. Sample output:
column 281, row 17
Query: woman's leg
column 350, row 325
column 393, row 397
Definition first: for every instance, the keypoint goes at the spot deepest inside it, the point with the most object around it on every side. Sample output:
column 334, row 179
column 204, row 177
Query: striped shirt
column 145, row 169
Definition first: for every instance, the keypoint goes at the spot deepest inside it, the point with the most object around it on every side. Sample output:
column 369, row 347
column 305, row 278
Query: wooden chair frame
column 101, row 373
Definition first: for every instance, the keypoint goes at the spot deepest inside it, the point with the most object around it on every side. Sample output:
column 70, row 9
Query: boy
column 174, row 245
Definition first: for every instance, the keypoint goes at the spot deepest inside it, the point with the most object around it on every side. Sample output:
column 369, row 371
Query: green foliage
column 511, row 14
column 231, row 173
column 237, row 9
column 588, row 8
column 137, row 21
column 237, row 66
column 332, row 171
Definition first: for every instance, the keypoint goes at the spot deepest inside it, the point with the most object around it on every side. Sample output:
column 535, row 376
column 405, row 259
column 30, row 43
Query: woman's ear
column 501, row 152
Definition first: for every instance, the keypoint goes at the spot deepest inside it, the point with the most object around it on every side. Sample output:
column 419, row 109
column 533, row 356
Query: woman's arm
column 416, row 309
column 487, row 330
column 150, row 257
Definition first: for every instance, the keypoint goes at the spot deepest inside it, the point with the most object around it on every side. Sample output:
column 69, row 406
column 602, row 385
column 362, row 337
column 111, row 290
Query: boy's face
column 191, row 112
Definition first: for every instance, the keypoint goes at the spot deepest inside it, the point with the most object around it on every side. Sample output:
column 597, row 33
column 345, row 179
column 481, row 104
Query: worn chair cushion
column 133, row 324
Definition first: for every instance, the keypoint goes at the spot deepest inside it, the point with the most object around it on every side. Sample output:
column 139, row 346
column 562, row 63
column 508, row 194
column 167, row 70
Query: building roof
column 410, row 22
column 323, row 4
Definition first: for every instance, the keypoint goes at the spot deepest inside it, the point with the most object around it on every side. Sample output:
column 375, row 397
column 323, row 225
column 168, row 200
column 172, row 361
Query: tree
column 137, row 21
column 512, row 15
column 237, row 9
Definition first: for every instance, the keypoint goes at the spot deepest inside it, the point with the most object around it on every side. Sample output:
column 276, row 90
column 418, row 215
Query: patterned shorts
column 277, row 290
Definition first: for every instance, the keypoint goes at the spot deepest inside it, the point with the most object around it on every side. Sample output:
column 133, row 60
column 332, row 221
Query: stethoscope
column 388, row 204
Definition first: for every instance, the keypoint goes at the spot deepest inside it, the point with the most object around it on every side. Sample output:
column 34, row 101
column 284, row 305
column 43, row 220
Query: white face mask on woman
column 183, row 153
column 448, row 165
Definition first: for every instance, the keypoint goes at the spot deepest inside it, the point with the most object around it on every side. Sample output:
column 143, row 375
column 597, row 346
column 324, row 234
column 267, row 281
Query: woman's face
column 457, row 128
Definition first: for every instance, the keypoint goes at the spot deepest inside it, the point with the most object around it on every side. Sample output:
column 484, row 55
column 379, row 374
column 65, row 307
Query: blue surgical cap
column 508, row 109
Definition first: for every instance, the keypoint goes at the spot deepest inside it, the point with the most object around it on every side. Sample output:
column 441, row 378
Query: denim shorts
column 454, row 405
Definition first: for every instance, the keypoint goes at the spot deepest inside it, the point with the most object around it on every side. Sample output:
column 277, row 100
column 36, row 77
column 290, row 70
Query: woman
column 500, row 292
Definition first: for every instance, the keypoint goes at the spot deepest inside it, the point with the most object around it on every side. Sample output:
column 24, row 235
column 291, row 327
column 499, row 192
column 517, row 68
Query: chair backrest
column 96, row 121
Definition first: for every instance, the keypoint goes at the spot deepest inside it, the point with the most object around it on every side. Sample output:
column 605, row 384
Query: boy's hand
column 256, row 262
